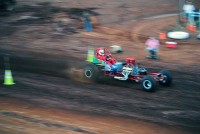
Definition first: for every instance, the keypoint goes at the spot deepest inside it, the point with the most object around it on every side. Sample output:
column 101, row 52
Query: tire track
column 45, row 123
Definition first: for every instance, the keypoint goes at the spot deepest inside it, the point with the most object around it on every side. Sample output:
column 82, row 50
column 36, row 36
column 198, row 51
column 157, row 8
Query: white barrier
column 178, row 35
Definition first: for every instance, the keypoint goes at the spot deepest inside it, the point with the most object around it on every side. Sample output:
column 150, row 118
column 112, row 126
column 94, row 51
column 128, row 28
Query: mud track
column 175, row 106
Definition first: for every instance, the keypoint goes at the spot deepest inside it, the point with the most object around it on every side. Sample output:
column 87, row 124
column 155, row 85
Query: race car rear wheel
column 91, row 72
column 167, row 78
column 148, row 83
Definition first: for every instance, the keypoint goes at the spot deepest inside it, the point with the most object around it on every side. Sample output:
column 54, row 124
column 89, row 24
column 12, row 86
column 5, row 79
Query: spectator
column 152, row 46
column 188, row 7
column 87, row 21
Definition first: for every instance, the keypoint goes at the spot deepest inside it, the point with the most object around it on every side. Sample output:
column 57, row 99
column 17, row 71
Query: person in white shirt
column 188, row 8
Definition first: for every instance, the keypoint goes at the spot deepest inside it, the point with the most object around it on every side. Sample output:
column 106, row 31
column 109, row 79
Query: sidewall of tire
column 151, row 81
column 94, row 71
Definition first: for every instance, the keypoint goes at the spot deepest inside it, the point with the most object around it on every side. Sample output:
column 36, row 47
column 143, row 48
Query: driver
column 107, row 58
column 109, row 61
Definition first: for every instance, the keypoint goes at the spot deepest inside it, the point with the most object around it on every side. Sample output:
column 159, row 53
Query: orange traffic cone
column 191, row 28
column 163, row 36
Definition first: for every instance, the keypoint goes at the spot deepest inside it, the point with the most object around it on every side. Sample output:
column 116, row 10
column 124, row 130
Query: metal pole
column 192, row 17
column 179, row 10
column 181, row 4
column 199, row 19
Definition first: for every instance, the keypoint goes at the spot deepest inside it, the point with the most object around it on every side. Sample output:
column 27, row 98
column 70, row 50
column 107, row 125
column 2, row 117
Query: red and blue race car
column 101, row 61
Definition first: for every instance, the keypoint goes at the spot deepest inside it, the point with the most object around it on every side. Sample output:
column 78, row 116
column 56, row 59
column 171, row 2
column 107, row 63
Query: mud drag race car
column 102, row 62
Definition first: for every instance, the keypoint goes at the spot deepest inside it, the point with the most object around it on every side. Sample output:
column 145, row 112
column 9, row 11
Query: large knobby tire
column 91, row 72
column 167, row 78
column 148, row 84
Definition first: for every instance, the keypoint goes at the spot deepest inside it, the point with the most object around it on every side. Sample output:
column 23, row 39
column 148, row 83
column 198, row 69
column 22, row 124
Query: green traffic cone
column 90, row 55
column 8, row 79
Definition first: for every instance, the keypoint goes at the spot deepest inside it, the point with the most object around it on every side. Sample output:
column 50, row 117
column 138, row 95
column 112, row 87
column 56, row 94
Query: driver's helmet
column 101, row 52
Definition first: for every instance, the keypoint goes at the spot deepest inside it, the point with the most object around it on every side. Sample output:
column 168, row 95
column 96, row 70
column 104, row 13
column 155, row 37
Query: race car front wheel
column 91, row 72
column 148, row 84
